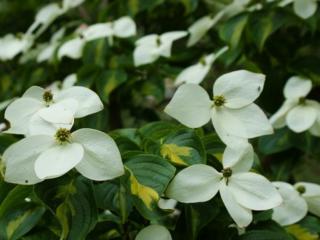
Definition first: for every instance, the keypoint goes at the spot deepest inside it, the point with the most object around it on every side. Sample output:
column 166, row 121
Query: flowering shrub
column 159, row 120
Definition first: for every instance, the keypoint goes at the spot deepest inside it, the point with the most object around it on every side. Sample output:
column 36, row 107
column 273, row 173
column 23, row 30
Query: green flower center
column 158, row 41
column 219, row 101
column 301, row 189
column 47, row 97
column 63, row 135
column 227, row 172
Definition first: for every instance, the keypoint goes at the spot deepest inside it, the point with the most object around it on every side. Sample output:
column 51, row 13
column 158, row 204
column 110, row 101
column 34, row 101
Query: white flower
column 149, row 48
column 33, row 159
column 68, row 4
column 298, row 113
column 41, row 112
column 305, row 8
column 48, row 51
column 197, row 72
column 154, row 232
column 311, row 194
column 58, row 86
column 124, row 27
column 241, row 191
column 293, row 207
column 232, row 111
column 11, row 46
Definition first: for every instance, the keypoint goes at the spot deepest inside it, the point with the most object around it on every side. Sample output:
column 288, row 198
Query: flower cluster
column 50, row 149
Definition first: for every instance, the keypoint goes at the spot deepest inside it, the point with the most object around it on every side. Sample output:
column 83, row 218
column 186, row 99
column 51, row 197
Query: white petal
column 72, row 48
column 167, row 204
column 61, row 112
column 315, row 128
column 88, row 101
column 305, row 8
column 67, row 4
column 154, row 232
column 19, row 113
column 38, row 126
column 197, row 183
column 58, row 160
column 239, row 88
column 48, row 13
column 241, row 215
column 102, row 159
column 239, row 158
column 166, row 41
column 20, row 157
column 10, row 46
column 301, row 117
column 193, row 74
column 96, row 31
column 293, row 207
column 312, row 196
column 199, row 28
column 297, row 87
column 34, row 92
column 246, row 122
column 47, row 53
column 190, row 105
column 254, row 191
column 69, row 81
column 125, row 27
column 144, row 54
column 278, row 120
column 150, row 40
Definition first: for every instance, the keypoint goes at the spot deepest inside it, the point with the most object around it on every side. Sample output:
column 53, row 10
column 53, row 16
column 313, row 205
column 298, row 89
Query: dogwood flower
column 241, row 191
column 293, row 208
column 297, row 112
column 149, row 48
column 11, row 46
column 197, row 72
column 232, row 111
column 311, row 194
column 41, row 112
column 48, row 51
column 35, row 158
column 303, row 8
column 124, row 27
column 154, row 232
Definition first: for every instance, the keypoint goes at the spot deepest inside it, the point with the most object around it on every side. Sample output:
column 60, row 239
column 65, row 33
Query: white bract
column 47, row 52
column 33, row 159
column 40, row 112
column 297, row 112
column 293, row 207
column 241, row 191
column 311, row 194
column 303, row 8
column 154, row 232
column 11, row 46
column 58, row 86
column 149, row 48
column 197, row 72
column 124, row 27
column 232, row 111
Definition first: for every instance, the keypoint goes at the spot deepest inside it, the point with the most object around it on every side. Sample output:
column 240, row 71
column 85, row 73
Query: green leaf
column 189, row 5
column 301, row 233
column 184, row 148
column 96, row 52
column 231, row 31
column 18, row 216
column 108, row 81
column 136, row 6
column 265, row 235
column 149, row 176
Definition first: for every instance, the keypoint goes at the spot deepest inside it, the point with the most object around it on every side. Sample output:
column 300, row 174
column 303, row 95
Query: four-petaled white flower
column 297, row 112
column 41, row 112
column 11, row 46
column 124, row 27
column 35, row 158
column 149, row 48
column 297, row 201
column 154, row 232
column 197, row 72
column 232, row 111
column 241, row 191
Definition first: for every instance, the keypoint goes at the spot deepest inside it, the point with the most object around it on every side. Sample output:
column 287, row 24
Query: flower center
column 47, row 97
column 301, row 189
column 227, row 172
column 302, row 100
column 219, row 101
column 158, row 41
column 63, row 135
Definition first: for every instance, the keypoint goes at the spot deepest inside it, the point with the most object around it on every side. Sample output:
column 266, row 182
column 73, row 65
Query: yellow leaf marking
column 301, row 233
column 174, row 153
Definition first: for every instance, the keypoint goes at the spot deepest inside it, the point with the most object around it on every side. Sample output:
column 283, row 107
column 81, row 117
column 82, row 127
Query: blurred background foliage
column 272, row 40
